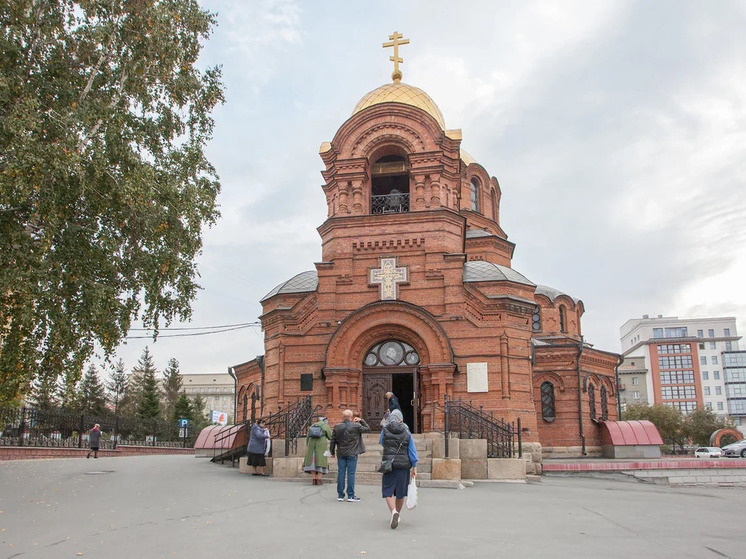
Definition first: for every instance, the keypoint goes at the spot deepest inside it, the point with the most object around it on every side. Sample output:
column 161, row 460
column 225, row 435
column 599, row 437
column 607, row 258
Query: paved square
column 180, row 506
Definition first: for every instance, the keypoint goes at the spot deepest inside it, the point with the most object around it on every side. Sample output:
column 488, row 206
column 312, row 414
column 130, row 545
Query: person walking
column 398, row 445
column 257, row 445
column 347, row 442
column 94, row 439
column 316, row 461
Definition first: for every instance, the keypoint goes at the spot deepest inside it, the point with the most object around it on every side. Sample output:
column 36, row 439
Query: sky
column 617, row 132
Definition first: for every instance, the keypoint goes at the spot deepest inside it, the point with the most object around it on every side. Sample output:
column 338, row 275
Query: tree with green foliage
column 117, row 386
column 68, row 389
column 199, row 413
column 171, row 387
column 147, row 396
column 702, row 423
column 105, row 188
column 183, row 409
column 44, row 394
column 668, row 420
column 92, row 396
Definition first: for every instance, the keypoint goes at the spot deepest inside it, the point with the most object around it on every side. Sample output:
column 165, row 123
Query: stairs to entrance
column 368, row 463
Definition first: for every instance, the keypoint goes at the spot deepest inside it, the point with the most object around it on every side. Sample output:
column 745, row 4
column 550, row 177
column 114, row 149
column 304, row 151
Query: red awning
column 636, row 432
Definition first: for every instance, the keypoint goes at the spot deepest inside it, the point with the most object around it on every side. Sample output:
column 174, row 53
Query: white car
column 736, row 449
column 708, row 452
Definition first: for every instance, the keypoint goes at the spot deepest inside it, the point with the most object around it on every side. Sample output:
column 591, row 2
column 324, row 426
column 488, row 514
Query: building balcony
column 396, row 202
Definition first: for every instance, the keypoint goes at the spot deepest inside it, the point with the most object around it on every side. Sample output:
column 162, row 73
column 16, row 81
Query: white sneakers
column 394, row 519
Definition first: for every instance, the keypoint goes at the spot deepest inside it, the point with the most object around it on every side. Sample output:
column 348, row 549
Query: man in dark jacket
column 347, row 442
column 393, row 402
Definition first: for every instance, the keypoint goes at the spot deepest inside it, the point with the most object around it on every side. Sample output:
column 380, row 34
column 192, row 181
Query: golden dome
column 401, row 93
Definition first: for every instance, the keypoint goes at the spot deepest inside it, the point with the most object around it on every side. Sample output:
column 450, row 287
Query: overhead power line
column 214, row 330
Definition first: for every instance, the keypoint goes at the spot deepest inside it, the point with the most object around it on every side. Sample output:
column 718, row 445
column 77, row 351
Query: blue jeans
column 347, row 466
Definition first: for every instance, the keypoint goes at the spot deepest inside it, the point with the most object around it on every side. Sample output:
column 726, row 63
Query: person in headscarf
column 94, row 439
column 257, row 445
column 316, row 461
column 398, row 445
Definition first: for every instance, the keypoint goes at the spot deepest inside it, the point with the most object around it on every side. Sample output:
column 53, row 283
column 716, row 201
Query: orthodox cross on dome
column 395, row 42
column 388, row 275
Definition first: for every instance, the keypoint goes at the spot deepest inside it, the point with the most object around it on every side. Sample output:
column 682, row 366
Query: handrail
column 289, row 423
column 474, row 423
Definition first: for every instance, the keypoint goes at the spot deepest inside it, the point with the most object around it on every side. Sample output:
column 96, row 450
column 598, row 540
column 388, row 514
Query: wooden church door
column 375, row 405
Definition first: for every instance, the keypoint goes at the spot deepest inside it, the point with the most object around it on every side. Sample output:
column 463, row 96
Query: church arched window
column 245, row 406
column 391, row 353
column 389, row 185
column 592, row 401
column 547, row 401
column 474, row 186
column 563, row 318
column 536, row 319
column 604, row 404
column 493, row 197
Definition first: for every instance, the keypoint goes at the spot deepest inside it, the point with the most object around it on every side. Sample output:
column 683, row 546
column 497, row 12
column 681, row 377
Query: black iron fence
column 469, row 422
column 289, row 423
column 64, row 429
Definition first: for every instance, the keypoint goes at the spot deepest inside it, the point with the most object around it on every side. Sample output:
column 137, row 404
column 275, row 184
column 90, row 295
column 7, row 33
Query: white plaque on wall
column 476, row 377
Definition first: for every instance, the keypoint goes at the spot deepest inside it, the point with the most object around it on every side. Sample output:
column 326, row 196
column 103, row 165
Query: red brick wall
column 35, row 452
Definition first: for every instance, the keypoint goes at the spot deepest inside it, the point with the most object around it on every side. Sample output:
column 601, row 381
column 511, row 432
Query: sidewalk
column 178, row 506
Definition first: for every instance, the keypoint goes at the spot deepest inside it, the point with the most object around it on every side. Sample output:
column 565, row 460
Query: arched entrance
column 391, row 366
column 348, row 369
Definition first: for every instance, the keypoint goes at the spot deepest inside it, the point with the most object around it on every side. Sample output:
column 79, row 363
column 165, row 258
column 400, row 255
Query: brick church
column 415, row 294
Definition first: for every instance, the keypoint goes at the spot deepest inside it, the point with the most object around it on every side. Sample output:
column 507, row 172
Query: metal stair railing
column 469, row 422
column 289, row 423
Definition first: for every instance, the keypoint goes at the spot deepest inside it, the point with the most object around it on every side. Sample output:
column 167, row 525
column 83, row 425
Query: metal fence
column 469, row 422
column 389, row 203
column 62, row 428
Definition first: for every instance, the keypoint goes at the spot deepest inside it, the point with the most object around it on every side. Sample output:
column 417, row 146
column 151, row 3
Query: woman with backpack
column 316, row 461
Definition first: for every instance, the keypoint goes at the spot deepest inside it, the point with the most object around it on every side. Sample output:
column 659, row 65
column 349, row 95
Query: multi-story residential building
column 734, row 374
column 217, row 390
column 685, row 358
column 633, row 381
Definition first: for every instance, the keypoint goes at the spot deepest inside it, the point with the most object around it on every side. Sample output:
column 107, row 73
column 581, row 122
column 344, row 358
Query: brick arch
column 720, row 433
column 380, row 321
column 360, row 134
column 554, row 378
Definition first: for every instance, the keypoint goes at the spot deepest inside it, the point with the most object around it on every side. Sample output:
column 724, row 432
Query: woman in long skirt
column 398, row 445
column 257, row 444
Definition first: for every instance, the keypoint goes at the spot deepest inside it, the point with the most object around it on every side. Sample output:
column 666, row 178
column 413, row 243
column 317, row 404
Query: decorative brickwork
column 400, row 191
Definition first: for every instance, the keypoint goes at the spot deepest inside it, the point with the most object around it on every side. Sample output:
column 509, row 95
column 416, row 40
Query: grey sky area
column 617, row 131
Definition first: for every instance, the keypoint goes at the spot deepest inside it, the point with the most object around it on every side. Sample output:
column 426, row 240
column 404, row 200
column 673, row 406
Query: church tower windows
column 389, row 185
column 563, row 318
column 536, row 319
column 474, row 186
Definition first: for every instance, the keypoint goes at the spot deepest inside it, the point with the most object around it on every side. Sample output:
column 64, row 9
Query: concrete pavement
column 181, row 506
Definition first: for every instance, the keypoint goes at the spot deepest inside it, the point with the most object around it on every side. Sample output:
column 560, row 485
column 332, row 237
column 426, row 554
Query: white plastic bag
column 412, row 494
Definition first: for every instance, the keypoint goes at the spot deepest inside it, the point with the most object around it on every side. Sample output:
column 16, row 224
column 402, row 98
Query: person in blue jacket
column 398, row 445
column 257, row 445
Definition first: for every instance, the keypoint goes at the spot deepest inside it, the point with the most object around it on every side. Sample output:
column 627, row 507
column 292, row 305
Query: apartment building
column 685, row 357
column 217, row 390
column 633, row 381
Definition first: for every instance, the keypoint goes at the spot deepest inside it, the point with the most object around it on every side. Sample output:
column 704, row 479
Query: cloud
column 616, row 130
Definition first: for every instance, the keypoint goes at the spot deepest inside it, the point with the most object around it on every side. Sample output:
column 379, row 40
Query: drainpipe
column 580, row 398
column 619, row 361
column 232, row 373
